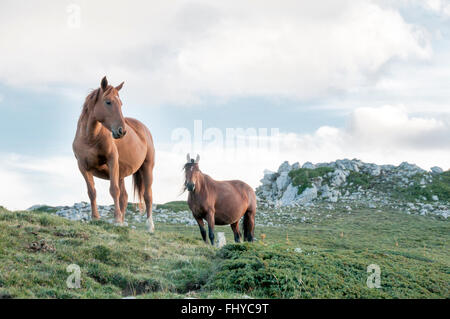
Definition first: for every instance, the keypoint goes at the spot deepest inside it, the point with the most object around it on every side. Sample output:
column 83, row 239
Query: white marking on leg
column 150, row 225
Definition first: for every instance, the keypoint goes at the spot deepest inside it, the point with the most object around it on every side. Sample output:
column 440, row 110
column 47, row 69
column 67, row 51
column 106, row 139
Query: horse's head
column 108, row 109
column 192, row 173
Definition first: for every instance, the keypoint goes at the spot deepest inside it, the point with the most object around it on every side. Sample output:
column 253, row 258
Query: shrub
column 302, row 177
column 265, row 271
column 359, row 179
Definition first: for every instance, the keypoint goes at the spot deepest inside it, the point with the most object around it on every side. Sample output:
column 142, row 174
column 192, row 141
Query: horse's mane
column 90, row 101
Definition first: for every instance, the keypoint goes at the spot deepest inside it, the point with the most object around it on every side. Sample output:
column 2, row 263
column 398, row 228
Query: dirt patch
column 41, row 246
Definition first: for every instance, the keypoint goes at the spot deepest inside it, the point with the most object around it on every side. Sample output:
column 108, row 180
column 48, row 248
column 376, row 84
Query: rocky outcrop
column 347, row 181
column 82, row 212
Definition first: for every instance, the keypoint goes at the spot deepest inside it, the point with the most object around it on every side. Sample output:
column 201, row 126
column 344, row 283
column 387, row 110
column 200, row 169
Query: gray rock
column 289, row 195
column 307, row 195
column 317, row 181
column 443, row 213
column 283, row 181
column 285, row 167
column 221, row 240
column 269, row 177
column 436, row 170
column 339, row 177
column 333, row 199
column 309, row 165
column 374, row 170
column 409, row 169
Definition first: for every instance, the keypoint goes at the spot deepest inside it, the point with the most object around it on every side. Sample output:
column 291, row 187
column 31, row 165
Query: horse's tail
column 138, row 186
column 249, row 218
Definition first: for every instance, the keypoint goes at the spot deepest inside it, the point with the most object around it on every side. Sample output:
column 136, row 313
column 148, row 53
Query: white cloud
column 385, row 135
column 179, row 51
column 439, row 6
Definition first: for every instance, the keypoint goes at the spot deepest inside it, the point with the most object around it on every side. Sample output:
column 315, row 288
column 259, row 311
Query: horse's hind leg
column 123, row 199
column 89, row 178
column 147, row 174
column 249, row 225
column 237, row 234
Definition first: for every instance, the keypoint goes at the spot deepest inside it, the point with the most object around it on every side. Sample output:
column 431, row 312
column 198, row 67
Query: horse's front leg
column 89, row 178
column 114, row 190
column 211, row 222
column 201, row 225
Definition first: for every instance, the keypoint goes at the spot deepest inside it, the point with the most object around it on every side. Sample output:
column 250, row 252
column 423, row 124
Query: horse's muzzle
column 190, row 187
column 119, row 133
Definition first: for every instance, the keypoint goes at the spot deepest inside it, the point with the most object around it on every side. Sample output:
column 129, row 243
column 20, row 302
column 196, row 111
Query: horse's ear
column 188, row 158
column 119, row 86
column 197, row 159
column 104, row 83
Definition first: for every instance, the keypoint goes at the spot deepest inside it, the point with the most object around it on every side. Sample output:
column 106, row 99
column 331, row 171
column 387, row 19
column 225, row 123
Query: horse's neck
column 91, row 128
column 204, row 183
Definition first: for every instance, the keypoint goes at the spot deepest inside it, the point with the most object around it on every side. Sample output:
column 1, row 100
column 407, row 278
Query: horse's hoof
column 119, row 224
column 150, row 226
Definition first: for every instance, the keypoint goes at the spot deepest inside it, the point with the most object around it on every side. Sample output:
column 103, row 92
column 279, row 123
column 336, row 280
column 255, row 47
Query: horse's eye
column 108, row 102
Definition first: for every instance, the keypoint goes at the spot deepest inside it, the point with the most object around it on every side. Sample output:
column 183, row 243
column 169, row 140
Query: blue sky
column 338, row 79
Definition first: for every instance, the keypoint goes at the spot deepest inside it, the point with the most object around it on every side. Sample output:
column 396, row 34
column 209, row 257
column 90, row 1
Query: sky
column 245, row 84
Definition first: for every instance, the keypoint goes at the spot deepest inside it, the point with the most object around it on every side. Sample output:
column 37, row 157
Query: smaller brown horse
column 219, row 202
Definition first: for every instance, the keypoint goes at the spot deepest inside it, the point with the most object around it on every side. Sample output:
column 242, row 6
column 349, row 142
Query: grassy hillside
column 327, row 258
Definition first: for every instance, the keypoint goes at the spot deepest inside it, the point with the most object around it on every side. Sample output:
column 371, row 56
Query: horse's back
column 245, row 189
column 234, row 198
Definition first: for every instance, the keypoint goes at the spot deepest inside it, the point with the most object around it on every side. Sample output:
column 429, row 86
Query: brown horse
column 219, row 202
column 112, row 147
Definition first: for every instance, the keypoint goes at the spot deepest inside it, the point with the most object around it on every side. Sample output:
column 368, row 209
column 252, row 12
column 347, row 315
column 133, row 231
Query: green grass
column 302, row 177
column 174, row 206
column 412, row 252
